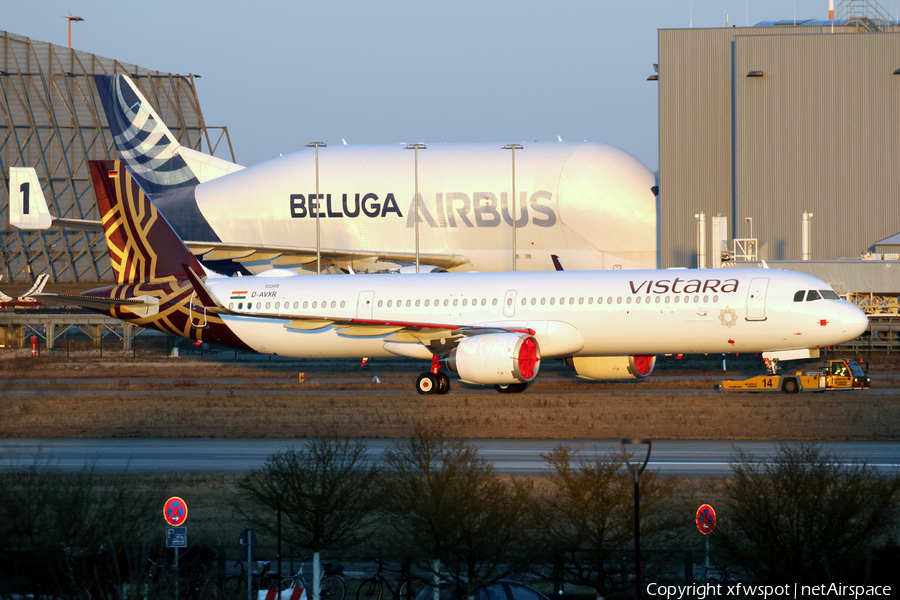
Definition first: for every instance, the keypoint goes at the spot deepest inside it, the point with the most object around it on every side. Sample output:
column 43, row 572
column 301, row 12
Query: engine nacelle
column 612, row 367
column 496, row 358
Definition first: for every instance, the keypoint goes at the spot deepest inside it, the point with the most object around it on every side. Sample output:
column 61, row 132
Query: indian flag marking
column 238, row 295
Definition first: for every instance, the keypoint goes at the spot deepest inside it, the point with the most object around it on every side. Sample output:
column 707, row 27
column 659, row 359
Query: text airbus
column 450, row 210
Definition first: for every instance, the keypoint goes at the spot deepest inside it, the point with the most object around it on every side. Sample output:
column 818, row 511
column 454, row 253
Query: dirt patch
column 141, row 397
column 598, row 415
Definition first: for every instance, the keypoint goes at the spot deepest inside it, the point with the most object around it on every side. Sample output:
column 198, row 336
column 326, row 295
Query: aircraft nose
column 854, row 320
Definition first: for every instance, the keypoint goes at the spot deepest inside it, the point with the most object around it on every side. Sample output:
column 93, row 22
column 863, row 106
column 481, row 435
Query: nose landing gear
column 434, row 381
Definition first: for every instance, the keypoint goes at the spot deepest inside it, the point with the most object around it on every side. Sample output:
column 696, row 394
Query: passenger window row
column 534, row 301
column 618, row 300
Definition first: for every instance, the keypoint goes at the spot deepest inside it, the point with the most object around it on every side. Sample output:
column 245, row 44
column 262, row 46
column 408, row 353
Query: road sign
column 706, row 519
column 175, row 511
column 247, row 542
column 176, row 537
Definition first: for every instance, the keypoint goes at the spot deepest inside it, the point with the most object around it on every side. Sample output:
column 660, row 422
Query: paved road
column 521, row 457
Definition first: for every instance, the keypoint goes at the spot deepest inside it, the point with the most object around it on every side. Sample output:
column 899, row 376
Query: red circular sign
column 175, row 511
column 706, row 519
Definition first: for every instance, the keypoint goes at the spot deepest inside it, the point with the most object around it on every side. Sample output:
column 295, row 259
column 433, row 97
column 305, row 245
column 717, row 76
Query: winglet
column 27, row 206
column 557, row 264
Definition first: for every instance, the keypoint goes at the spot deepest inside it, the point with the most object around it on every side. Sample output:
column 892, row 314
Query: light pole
column 279, row 489
column 318, row 233
column 71, row 18
column 513, row 211
column 416, row 148
column 636, row 476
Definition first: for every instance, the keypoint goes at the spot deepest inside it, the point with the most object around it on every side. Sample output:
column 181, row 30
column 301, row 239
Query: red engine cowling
column 496, row 358
column 612, row 367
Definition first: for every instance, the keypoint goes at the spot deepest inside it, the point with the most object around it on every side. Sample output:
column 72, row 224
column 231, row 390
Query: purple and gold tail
column 151, row 265
column 143, row 247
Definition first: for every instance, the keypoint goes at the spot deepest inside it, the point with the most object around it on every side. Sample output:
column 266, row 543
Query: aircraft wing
column 291, row 256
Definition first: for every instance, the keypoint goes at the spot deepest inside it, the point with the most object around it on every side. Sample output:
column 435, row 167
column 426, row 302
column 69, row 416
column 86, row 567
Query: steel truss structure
column 53, row 120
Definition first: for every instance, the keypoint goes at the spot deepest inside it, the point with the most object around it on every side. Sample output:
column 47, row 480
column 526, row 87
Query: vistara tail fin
column 143, row 247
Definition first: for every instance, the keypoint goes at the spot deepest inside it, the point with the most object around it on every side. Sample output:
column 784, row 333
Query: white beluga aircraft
column 590, row 203
column 490, row 328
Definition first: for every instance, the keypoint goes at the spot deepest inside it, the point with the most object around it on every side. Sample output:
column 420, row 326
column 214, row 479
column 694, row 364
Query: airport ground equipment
column 837, row 374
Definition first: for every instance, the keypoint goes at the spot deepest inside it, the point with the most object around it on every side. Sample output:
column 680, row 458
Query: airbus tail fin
column 27, row 207
column 146, row 145
column 143, row 247
column 38, row 286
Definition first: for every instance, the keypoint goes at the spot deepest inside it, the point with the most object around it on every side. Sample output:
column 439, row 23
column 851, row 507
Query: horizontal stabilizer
column 144, row 306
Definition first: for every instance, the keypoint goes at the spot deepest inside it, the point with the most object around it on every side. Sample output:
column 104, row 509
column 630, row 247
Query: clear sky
column 281, row 73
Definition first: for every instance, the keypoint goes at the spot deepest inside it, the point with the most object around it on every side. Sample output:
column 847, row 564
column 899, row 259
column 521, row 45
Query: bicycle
column 262, row 579
column 715, row 575
column 332, row 585
column 373, row 588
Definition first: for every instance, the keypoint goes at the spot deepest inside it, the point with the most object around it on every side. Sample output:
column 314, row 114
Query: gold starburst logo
column 728, row 317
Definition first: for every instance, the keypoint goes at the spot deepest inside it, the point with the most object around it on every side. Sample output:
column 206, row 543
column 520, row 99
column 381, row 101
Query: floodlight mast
column 318, row 231
column 70, row 19
column 513, row 210
column 416, row 148
column 636, row 476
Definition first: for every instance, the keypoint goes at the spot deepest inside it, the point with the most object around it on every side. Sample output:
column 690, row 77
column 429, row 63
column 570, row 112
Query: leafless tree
column 587, row 517
column 451, row 514
column 327, row 492
column 807, row 516
column 71, row 534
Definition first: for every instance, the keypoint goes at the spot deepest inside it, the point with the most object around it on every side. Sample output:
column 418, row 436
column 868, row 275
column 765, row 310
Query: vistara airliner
column 489, row 328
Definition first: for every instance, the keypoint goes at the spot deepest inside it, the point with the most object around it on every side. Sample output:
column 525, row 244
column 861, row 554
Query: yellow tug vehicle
column 837, row 374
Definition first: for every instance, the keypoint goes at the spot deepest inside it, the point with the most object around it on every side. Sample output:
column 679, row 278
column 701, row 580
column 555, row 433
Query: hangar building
column 759, row 124
column 52, row 119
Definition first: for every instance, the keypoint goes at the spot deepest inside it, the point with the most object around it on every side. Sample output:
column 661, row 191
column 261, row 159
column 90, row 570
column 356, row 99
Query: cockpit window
column 798, row 297
column 829, row 295
column 812, row 295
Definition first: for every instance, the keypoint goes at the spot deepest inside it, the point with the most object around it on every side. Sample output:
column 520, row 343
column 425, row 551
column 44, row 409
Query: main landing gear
column 434, row 381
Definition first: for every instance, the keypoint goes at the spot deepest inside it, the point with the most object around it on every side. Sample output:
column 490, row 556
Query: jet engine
column 612, row 367
column 498, row 358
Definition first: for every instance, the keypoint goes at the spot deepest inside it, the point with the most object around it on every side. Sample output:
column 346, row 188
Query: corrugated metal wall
column 784, row 136
column 694, row 135
column 52, row 119
column 819, row 131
